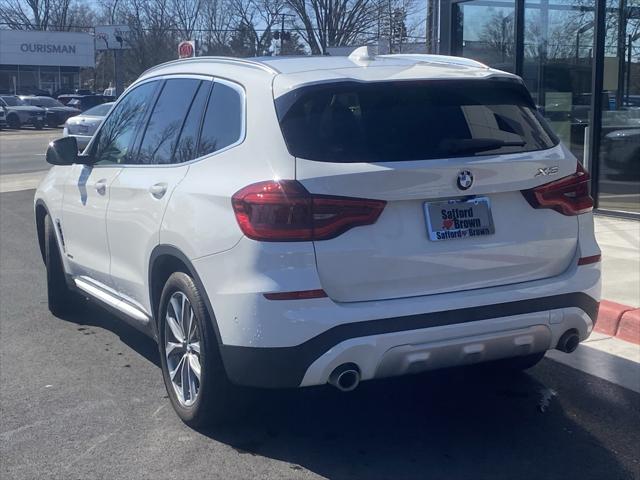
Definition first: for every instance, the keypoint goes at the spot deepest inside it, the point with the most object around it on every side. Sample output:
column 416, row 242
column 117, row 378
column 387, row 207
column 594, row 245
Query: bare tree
column 186, row 15
column 42, row 14
column 256, row 19
column 333, row 23
column 217, row 23
column 498, row 35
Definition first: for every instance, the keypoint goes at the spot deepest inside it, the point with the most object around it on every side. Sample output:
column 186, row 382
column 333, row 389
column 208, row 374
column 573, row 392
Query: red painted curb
column 609, row 317
column 629, row 327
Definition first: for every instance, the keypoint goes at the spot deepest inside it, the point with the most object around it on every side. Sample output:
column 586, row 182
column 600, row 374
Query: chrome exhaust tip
column 345, row 377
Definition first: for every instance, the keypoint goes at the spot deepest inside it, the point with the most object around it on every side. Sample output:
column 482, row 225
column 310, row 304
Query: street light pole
column 282, row 35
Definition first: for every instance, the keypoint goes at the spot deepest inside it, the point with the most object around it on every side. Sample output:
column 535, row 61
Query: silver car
column 20, row 113
column 83, row 126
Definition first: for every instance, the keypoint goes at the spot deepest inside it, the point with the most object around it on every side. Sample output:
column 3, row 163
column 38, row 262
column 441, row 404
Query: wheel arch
column 13, row 116
column 40, row 212
column 165, row 260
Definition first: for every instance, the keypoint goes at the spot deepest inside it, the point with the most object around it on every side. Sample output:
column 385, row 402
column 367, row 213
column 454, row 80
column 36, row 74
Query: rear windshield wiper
column 471, row 145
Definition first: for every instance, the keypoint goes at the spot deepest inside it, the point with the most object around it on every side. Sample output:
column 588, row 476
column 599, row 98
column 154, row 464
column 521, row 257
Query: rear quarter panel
column 199, row 219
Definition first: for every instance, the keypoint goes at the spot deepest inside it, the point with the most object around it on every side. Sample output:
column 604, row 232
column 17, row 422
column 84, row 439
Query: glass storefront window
column 558, row 66
column 28, row 80
column 487, row 30
column 9, row 78
column 619, row 179
column 50, row 79
column 69, row 80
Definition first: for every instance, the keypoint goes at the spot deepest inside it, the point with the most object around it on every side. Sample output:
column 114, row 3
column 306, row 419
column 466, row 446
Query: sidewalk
column 603, row 355
column 619, row 240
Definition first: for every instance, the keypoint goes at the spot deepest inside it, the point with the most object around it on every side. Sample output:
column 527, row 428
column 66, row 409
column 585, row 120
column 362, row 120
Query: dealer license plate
column 459, row 219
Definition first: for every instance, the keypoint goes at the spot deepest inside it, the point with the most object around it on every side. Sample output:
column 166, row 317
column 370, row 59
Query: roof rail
column 229, row 60
column 446, row 59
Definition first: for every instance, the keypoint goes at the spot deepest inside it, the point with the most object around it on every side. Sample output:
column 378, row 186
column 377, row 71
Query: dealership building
column 581, row 62
column 32, row 61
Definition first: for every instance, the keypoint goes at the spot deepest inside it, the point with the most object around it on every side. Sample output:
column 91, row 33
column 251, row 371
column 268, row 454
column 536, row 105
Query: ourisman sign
column 47, row 48
column 55, row 49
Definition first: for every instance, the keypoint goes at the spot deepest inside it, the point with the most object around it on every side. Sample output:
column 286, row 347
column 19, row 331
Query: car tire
column 517, row 364
column 13, row 121
column 60, row 298
column 195, row 378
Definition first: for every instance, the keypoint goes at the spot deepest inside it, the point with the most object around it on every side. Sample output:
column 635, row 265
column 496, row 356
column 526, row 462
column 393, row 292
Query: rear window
column 99, row 110
column 402, row 121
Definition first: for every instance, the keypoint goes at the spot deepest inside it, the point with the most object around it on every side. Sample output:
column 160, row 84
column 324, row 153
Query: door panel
column 139, row 198
column 83, row 225
column 140, row 194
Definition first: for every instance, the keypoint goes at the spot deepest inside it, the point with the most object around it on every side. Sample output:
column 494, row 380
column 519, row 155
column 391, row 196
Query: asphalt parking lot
column 22, row 151
column 82, row 398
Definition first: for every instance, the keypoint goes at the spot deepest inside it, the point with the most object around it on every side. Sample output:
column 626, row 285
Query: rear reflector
column 589, row 260
column 284, row 211
column 301, row 295
column 568, row 196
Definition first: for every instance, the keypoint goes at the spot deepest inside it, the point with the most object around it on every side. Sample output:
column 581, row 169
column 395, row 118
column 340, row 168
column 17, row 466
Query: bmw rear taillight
column 569, row 195
column 284, row 211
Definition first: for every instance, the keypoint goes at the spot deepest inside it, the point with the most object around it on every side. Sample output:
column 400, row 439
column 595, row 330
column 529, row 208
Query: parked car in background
column 363, row 218
column 55, row 112
column 82, row 102
column 83, row 126
column 3, row 118
column 20, row 113
column 109, row 92
column 621, row 149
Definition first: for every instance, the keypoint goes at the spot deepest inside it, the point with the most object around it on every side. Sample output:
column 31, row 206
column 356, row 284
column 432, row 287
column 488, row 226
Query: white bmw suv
column 287, row 222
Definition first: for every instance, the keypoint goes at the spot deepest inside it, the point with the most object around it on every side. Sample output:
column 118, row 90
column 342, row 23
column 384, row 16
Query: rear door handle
column 101, row 186
column 158, row 190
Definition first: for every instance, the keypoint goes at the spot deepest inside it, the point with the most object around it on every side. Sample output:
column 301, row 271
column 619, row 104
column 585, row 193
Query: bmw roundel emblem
column 465, row 180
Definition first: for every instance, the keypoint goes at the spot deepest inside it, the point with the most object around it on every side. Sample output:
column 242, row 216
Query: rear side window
column 223, row 119
column 187, row 148
column 401, row 121
column 166, row 120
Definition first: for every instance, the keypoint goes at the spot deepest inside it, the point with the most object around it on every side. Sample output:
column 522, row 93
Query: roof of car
column 291, row 72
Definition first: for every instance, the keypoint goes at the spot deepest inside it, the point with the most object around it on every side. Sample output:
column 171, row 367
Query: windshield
column 401, row 121
column 44, row 102
column 13, row 101
column 98, row 111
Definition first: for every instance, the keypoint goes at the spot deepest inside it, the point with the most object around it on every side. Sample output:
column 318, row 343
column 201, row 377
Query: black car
column 82, row 102
column 56, row 112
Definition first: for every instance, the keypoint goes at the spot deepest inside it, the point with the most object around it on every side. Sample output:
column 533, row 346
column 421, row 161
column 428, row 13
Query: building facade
column 581, row 61
column 34, row 61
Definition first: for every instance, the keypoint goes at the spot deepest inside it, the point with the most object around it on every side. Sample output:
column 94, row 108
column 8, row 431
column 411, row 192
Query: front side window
column 46, row 102
column 118, row 131
column 400, row 121
column 222, row 124
column 166, row 121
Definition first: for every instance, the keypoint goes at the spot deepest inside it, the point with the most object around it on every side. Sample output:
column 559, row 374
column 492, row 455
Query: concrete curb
column 620, row 321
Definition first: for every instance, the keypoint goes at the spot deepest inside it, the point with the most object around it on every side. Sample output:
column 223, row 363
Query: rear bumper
column 414, row 343
column 291, row 343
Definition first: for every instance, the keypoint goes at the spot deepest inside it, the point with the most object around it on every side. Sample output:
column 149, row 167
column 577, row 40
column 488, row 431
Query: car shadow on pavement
column 87, row 314
column 465, row 423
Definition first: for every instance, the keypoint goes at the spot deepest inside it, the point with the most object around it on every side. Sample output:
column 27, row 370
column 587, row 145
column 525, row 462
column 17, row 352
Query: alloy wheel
column 182, row 349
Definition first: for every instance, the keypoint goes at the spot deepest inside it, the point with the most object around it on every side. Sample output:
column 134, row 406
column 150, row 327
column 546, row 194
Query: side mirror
column 63, row 151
